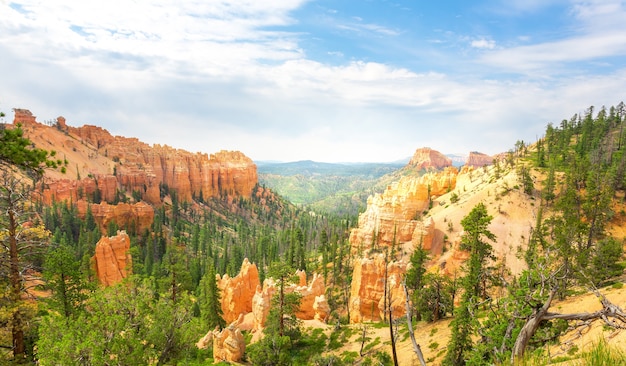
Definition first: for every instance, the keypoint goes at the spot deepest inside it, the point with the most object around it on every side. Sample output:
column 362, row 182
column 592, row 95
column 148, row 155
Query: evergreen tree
column 210, row 305
column 415, row 276
column 63, row 277
column 475, row 225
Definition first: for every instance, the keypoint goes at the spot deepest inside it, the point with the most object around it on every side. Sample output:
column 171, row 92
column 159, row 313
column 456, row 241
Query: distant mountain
column 342, row 188
column 310, row 168
column 457, row 159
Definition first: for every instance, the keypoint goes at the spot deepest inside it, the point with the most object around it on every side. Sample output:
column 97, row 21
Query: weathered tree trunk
column 17, row 330
column 609, row 310
column 416, row 347
column 387, row 307
column 529, row 329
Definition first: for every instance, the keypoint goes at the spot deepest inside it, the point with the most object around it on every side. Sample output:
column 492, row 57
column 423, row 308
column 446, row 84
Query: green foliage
column 124, row 324
column 605, row 261
column 63, row 276
column 209, row 299
column 17, row 151
column 337, row 188
column 464, row 324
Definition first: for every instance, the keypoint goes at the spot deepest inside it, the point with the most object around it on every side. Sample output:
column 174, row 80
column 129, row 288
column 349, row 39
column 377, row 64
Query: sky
column 331, row 81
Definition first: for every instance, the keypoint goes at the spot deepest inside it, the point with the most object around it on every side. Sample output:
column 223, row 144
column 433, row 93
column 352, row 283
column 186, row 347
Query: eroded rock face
column 368, row 287
column 321, row 308
column 478, row 159
column 132, row 167
column 229, row 344
column 138, row 216
column 237, row 292
column 395, row 214
column 112, row 258
column 311, row 294
column 429, row 159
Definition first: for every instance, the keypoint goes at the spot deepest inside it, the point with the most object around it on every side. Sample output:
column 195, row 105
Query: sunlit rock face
column 112, row 259
column 113, row 164
column 237, row 292
column 426, row 158
column 478, row 159
column 313, row 303
column 395, row 215
column 367, row 301
column 229, row 345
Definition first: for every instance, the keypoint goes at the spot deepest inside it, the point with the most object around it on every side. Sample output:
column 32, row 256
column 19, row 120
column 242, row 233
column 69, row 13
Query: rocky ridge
column 121, row 178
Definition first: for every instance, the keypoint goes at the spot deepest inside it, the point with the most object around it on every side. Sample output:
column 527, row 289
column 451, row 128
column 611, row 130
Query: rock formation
column 313, row 303
column 132, row 167
column 321, row 308
column 368, row 287
column 23, row 116
column 429, row 159
column 395, row 214
column 237, row 292
column 229, row 344
column 112, row 259
column 477, row 159
column 133, row 216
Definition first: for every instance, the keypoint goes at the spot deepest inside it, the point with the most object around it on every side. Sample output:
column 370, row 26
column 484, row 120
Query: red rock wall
column 139, row 167
column 429, row 159
column 477, row 159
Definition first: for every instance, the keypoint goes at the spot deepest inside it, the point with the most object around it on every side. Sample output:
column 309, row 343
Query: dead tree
column 416, row 347
column 612, row 315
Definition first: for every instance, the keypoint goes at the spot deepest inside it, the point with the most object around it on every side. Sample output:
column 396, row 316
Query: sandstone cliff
column 396, row 213
column 477, row 159
column 429, row 159
column 116, row 165
column 112, row 260
column 367, row 301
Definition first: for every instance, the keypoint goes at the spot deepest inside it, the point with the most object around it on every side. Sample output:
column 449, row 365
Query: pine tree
column 210, row 305
column 475, row 225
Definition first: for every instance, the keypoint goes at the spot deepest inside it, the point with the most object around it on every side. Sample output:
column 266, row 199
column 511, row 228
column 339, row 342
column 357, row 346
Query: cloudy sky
column 348, row 80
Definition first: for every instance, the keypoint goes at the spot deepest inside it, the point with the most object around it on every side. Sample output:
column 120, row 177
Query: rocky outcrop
column 478, row 159
column 313, row 303
column 321, row 308
column 112, row 259
column 23, row 117
column 229, row 344
column 237, row 292
column 135, row 168
column 132, row 216
column 147, row 169
column 395, row 214
column 367, row 290
column 426, row 158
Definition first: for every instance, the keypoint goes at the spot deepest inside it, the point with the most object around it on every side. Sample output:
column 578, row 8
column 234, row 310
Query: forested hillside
column 53, row 309
column 339, row 188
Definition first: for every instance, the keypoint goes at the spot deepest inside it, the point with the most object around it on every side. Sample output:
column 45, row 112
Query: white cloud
column 597, row 31
column 483, row 43
column 212, row 75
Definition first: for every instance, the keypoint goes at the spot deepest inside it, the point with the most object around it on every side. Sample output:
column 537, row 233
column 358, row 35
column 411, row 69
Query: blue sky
column 332, row 81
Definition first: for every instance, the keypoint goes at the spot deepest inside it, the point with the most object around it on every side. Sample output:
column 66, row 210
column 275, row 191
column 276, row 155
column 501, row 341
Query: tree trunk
column 17, row 330
column 416, row 347
column 529, row 329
